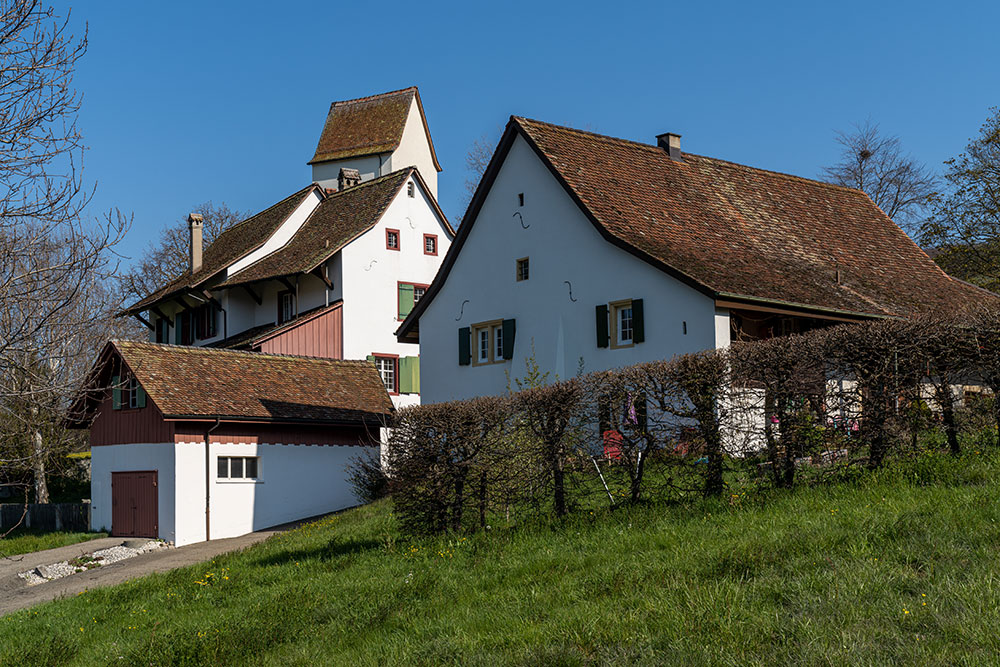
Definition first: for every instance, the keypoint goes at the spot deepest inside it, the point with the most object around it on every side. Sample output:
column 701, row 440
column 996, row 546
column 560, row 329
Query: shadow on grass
column 332, row 550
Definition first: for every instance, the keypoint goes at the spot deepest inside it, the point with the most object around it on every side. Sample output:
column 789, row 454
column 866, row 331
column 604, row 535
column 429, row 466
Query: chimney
column 348, row 178
column 195, row 224
column 671, row 143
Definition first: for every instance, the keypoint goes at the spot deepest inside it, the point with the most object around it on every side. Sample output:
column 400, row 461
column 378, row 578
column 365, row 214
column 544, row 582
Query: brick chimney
column 671, row 143
column 195, row 225
column 348, row 178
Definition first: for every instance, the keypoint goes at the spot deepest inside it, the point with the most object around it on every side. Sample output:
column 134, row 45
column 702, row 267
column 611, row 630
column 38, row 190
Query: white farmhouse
column 591, row 252
column 242, row 411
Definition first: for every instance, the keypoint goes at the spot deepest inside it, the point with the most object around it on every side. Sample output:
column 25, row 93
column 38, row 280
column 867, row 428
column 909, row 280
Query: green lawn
column 26, row 541
column 901, row 569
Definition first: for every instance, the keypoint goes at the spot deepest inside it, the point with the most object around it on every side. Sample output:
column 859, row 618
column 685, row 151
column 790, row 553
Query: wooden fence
column 74, row 517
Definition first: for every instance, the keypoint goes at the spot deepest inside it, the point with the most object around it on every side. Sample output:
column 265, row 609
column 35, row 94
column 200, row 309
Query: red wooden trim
column 431, row 236
column 399, row 240
column 395, row 375
column 415, row 285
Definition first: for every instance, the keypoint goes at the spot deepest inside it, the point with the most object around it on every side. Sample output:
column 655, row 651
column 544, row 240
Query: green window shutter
column 405, row 375
column 509, row 329
column 370, row 358
column 416, row 374
column 638, row 326
column 405, row 300
column 602, row 325
column 140, row 397
column 464, row 346
column 116, row 393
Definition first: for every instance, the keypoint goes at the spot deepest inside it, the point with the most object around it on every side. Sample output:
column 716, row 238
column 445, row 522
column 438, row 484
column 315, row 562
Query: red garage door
column 133, row 504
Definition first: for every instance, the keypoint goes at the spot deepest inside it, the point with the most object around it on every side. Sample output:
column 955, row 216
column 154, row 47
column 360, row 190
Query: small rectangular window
column 162, row 330
column 430, row 244
column 484, row 345
column 250, row 468
column 498, row 342
column 520, row 199
column 223, row 467
column 488, row 343
column 392, row 239
column 133, row 392
column 622, row 323
column 286, row 306
column 388, row 371
column 236, row 467
column 522, row 269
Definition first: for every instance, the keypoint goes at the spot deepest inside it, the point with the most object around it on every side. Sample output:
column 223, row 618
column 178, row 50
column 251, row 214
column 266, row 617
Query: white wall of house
column 414, row 150
column 106, row 459
column 369, row 166
column 562, row 245
column 281, row 235
column 371, row 274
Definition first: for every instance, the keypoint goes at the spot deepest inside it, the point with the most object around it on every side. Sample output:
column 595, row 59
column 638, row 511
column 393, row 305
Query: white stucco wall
column 370, row 166
column 371, row 274
column 414, row 150
column 106, row 459
column 281, row 235
column 562, row 245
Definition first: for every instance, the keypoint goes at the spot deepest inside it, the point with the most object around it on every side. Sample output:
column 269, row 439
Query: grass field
column 26, row 541
column 895, row 569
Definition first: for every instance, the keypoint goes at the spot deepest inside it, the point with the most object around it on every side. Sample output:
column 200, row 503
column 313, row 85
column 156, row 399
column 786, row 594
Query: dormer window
column 392, row 239
column 411, row 190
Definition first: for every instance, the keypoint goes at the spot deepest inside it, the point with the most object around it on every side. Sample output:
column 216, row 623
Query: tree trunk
column 482, row 500
column 38, row 465
column 558, row 479
column 948, row 417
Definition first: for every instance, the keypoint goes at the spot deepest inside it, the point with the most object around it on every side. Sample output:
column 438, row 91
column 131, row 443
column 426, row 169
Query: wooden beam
column 159, row 313
column 321, row 274
column 144, row 321
column 288, row 285
column 736, row 305
column 253, row 294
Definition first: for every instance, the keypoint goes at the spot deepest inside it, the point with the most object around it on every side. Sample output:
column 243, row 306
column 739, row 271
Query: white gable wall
column 281, row 235
column 369, row 166
column 562, row 245
column 414, row 150
column 371, row 274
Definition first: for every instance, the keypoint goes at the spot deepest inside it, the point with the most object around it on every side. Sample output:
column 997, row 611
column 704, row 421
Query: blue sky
column 187, row 102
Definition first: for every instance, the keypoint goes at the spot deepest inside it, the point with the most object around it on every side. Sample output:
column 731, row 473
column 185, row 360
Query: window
column 430, row 244
column 388, row 369
column 205, row 321
column 186, row 328
column 392, row 239
column 522, row 269
column 626, row 323
column 132, row 388
column 489, row 342
column 238, row 467
column 520, row 199
column 126, row 392
column 162, row 330
column 410, row 189
column 409, row 294
column 286, row 306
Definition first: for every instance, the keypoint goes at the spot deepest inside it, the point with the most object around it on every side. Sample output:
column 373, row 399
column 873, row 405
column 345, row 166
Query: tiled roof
column 747, row 232
column 234, row 243
column 197, row 382
column 368, row 126
column 339, row 219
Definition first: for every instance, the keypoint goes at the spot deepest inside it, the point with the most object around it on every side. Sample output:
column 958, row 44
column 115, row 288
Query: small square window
column 392, row 239
column 430, row 244
column 522, row 269
column 520, row 199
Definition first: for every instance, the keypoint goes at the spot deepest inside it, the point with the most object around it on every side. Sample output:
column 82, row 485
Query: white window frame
column 618, row 311
column 381, row 359
column 243, row 479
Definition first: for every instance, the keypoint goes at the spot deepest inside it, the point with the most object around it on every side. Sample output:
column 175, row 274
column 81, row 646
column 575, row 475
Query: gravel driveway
column 16, row 594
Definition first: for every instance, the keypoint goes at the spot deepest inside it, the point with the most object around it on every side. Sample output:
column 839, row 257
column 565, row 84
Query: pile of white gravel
column 89, row 561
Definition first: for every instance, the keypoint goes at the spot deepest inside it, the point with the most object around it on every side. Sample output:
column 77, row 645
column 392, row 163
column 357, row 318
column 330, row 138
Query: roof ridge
column 370, row 98
column 651, row 147
column 354, row 188
column 222, row 351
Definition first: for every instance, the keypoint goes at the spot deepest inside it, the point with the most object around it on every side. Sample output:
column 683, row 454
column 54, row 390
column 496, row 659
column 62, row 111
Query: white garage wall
column 106, row 459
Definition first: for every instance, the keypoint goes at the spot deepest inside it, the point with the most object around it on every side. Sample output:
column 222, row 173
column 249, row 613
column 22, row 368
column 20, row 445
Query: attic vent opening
column 671, row 143
column 348, row 178
column 410, row 189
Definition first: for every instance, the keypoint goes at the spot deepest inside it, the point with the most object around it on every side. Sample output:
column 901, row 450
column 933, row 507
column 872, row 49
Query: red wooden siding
column 286, row 434
column 126, row 426
column 320, row 336
column 134, row 504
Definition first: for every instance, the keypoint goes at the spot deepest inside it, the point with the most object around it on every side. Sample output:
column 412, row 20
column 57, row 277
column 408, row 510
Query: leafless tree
column 53, row 261
column 876, row 164
column 167, row 256
column 965, row 227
